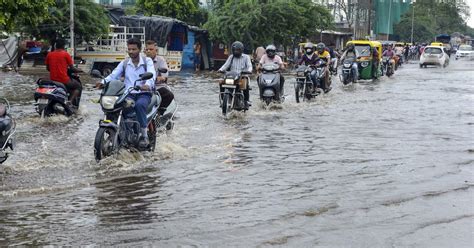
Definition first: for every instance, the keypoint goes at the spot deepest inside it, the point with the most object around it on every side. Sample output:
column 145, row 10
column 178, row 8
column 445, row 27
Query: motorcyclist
column 130, row 69
column 389, row 53
column 310, row 58
column 334, row 57
column 151, row 50
column 270, row 56
column 57, row 63
column 326, row 57
column 351, row 54
column 239, row 62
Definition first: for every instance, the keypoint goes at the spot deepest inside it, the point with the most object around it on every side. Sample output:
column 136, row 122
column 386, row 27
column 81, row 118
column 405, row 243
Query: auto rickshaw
column 365, row 61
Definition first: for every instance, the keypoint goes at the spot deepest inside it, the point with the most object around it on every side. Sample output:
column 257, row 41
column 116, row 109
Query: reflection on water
column 385, row 163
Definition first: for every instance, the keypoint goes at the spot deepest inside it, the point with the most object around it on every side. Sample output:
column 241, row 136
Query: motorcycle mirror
column 96, row 73
column 146, row 76
column 163, row 70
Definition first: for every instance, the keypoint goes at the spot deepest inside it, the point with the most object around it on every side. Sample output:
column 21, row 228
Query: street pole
column 389, row 16
column 71, row 25
column 355, row 20
column 412, row 19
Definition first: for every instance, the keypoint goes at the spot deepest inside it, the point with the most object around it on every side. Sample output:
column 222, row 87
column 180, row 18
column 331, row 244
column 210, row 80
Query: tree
column 432, row 18
column 258, row 22
column 90, row 21
column 29, row 12
column 180, row 9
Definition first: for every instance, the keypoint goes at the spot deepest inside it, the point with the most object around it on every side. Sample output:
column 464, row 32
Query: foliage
column 432, row 18
column 29, row 12
column 260, row 22
column 180, row 9
column 90, row 21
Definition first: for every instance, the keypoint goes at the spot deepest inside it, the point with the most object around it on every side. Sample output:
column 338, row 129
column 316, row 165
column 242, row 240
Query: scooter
column 269, row 84
column 7, row 129
column 231, row 95
column 119, row 128
column 51, row 97
column 348, row 75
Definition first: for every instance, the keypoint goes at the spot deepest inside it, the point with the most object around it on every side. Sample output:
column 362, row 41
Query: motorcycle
column 333, row 66
column 348, row 75
column 231, row 96
column 51, row 97
column 7, row 129
column 387, row 66
column 304, row 87
column 120, row 128
column 269, row 84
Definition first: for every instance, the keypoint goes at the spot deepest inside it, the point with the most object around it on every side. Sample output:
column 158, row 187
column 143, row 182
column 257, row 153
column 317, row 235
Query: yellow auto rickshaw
column 369, row 67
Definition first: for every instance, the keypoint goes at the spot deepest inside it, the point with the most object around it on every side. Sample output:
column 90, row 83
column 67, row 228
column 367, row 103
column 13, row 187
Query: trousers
column 142, row 100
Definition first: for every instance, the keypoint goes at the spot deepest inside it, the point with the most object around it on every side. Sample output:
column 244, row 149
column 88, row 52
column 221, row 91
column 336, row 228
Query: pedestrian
column 197, row 55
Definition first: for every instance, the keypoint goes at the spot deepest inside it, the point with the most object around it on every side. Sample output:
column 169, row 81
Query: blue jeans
column 142, row 100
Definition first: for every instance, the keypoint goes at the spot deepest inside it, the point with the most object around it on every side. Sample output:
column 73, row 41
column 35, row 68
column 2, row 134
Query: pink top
column 266, row 60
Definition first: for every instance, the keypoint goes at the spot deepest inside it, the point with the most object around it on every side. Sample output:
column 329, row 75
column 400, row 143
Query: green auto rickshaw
column 369, row 67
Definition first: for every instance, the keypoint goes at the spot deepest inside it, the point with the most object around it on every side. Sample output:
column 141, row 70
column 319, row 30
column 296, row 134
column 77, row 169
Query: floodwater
column 376, row 164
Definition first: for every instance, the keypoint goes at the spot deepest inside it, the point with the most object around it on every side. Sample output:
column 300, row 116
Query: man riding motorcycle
column 130, row 69
column 310, row 58
column 326, row 57
column 57, row 63
column 351, row 54
column 239, row 62
column 390, row 53
column 167, row 96
column 270, row 56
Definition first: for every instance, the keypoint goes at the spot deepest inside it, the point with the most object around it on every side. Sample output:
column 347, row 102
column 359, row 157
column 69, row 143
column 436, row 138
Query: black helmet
column 320, row 47
column 271, row 51
column 309, row 48
column 237, row 49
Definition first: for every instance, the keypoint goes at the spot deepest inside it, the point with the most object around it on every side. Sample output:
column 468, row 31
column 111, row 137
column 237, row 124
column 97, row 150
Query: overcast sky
column 470, row 22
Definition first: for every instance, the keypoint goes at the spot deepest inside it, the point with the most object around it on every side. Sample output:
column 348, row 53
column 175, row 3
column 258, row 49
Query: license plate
column 43, row 101
column 229, row 86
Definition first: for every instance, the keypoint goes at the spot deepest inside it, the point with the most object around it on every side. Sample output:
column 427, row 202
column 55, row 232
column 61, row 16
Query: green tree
column 90, row 21
column 29, row 12
column 432, row 18
column 258, row 22
column 180, row 9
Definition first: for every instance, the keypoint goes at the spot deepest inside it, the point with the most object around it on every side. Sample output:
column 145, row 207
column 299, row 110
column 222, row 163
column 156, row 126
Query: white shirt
column 132, row 73
column 243, row 63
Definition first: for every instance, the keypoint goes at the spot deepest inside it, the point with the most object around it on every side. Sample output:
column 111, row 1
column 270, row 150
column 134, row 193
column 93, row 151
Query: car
column 464, row 51
column 434, row 55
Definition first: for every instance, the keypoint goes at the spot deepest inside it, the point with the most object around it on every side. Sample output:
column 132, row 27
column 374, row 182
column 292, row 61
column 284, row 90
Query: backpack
column 125, row 63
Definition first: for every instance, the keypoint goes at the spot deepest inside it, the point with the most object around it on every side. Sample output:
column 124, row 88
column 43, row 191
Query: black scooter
column 120, row 128
column 7, row 129
column 51, row 97
column 269, row 84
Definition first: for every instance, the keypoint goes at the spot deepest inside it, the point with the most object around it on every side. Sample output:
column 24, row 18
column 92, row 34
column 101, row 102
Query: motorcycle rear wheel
column 104, row 143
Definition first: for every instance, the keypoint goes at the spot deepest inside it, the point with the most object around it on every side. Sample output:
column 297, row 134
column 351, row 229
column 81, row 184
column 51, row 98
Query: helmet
column 237, row 48
column 309, row 48
column 320, row 47
column 271, row 51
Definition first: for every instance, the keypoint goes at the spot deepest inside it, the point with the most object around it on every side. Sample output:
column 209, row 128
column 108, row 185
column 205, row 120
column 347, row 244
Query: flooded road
column 376, row 164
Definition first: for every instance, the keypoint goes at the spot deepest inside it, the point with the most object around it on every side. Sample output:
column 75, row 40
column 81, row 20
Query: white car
column 464, row 51
column 434, row 55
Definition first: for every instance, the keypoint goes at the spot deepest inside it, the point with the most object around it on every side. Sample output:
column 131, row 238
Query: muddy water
column 387, row 163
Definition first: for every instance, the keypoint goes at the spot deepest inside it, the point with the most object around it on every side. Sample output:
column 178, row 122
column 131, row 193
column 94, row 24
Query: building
column 117, row 3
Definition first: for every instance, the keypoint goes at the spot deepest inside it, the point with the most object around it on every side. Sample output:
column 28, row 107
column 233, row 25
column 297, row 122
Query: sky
column 470, row 22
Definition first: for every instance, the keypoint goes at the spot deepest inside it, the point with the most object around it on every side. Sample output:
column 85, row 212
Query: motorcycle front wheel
column 297, row 92
column 104, row 143
column 225, row 104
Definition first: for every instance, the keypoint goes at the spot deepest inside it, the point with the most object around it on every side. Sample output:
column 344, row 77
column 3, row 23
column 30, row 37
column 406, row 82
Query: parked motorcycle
column 120, row 128
column 304, row 87
column 348, row 76
column 232, row 96
column 7, row 129
column 51, row 97
column 269, row 84
column 387, row 66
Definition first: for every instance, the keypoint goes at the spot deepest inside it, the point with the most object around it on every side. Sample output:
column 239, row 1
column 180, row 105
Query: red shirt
column 58, row 62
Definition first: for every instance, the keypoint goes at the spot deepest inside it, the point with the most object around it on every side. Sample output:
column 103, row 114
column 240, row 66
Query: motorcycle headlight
column 364, row 64
column 347, row 65
column 108, row 102
column 268, row 81
column 300, row 74
column 229, row 81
